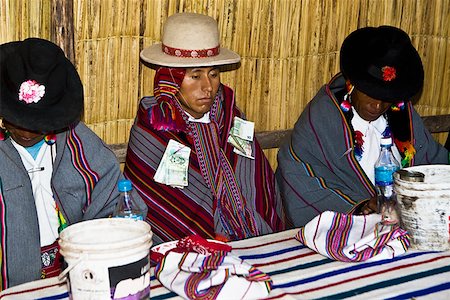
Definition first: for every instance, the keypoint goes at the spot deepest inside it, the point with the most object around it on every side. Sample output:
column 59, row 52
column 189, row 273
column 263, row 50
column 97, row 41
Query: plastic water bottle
column 385, row 167
column 126, row 206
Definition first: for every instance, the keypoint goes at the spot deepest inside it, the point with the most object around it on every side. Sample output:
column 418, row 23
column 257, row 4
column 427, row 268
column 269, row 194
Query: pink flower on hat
column 389, row 73
column 30, row 91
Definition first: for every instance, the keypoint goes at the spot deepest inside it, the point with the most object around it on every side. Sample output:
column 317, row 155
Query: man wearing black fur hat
column 54, row 171
column 329, row 162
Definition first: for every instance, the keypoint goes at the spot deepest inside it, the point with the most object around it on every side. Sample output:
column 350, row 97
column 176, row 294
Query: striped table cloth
column 299, row 273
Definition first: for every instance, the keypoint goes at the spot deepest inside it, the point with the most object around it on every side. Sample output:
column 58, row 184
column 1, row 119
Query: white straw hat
column 189, row 40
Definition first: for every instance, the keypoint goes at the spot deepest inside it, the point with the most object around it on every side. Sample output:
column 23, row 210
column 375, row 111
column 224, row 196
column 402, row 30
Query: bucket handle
column 63, row 276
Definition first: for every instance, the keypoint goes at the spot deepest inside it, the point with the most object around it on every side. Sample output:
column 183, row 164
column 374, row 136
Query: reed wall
column 289, row 49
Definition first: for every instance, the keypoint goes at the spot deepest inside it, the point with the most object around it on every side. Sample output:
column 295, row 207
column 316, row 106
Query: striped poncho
column 251, row 207
column 318, row 168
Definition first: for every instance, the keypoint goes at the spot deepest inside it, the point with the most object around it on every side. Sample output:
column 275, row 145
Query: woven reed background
column 289, row 49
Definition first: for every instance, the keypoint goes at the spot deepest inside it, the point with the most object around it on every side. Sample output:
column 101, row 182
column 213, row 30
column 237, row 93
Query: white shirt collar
column 203, row 119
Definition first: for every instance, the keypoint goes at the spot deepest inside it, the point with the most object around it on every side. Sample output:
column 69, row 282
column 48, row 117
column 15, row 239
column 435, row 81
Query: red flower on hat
column 389, row 73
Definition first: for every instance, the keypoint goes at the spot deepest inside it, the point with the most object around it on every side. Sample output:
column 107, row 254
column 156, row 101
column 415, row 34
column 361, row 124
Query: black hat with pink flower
column 382, row 63
column 40, row 88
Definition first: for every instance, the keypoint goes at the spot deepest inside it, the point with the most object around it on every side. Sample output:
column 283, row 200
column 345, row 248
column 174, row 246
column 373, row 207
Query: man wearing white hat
column 185, row 158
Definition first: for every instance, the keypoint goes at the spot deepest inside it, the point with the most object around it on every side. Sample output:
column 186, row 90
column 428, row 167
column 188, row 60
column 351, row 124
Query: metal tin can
column 413, row 176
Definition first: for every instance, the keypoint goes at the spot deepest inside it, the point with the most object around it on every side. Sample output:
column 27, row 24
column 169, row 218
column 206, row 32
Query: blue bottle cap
column 124, row 185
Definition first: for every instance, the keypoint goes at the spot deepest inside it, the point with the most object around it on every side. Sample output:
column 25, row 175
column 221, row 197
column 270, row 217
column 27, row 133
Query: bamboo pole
column 62, row 27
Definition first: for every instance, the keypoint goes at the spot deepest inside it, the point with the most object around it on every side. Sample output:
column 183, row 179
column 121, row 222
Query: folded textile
column 353, row 238
column 214, row 274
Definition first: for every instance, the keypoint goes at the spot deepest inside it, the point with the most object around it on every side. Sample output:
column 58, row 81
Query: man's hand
column 369, row 207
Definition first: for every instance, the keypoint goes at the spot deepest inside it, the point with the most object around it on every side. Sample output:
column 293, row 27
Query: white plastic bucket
column 425, row 207
column 107, row 259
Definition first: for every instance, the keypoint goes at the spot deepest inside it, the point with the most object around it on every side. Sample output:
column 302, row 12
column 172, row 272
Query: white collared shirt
column 40, row 173
column 372, row 133
column 204, row 119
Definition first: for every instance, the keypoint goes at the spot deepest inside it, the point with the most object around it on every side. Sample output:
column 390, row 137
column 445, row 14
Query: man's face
column 198, row 89
column 23, row 137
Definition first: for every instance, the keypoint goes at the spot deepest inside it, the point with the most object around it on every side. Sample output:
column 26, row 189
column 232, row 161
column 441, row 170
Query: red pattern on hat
column 389, row 73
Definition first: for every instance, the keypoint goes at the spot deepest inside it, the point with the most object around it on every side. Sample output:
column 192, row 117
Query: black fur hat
column 40, row 88
column 382, row 63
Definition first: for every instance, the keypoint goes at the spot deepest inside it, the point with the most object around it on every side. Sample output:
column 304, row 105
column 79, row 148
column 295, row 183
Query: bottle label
column 384, row 175
column 135, row 217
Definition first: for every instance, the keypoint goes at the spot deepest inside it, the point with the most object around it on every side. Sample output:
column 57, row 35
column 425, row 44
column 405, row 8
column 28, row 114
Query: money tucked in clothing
column 241, row 137
column 173, row 168
column 243, row 129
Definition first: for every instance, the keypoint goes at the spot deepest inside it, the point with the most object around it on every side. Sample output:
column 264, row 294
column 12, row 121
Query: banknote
column 243, row 129
column 241, row 137
column 174, row 165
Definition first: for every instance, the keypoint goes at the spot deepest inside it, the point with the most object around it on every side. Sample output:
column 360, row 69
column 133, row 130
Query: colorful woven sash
column 215, row 167
column 90, row 177
column 234, row 215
